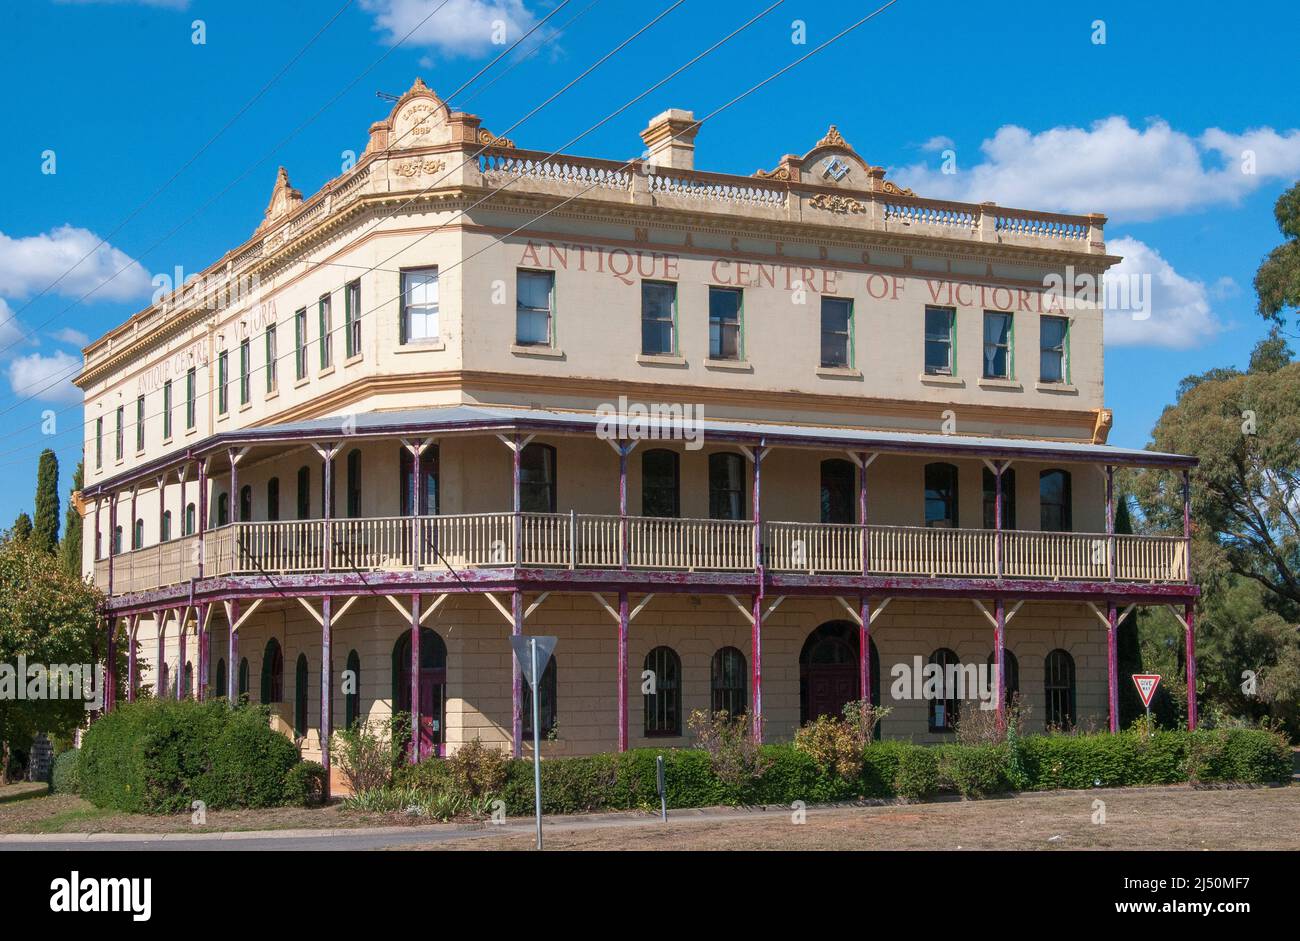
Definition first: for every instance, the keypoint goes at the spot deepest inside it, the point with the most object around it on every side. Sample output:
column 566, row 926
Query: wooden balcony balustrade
column 574, row 540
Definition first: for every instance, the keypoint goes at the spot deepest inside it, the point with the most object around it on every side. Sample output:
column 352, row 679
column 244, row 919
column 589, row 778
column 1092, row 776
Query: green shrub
column 1258, row 756
column 304, row 784
column 477, row 770
column 369, row 753
column 974, row 770
column 917, row 777
column 65, row 775
column 249, row 762
column 112, row 758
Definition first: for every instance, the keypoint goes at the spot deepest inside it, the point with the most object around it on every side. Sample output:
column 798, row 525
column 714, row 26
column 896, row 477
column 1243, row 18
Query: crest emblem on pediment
column 284, row 200
column 833, row 162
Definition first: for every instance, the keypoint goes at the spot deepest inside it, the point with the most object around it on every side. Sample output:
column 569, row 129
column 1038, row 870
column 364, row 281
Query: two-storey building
column 755, row 443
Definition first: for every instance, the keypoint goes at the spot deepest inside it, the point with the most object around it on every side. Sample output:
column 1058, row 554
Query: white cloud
column 30, row 263
column 1113, row 168
column 1178, row 308
column 71, row 336
column 10, row 331
column 31, row 375
column 938, row 142
column 461, row 27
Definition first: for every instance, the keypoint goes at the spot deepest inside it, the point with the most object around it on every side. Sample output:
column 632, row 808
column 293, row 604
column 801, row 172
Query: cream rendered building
column 824, row 379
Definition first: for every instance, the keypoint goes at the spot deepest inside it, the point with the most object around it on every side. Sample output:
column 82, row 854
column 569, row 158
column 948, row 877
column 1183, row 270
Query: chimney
column 670, row 139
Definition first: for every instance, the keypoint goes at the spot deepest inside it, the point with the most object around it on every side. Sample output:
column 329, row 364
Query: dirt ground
column 1165, row 818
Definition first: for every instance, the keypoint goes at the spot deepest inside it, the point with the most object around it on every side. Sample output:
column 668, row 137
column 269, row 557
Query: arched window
column 272, row 672
column 304, row 493
column 246, row 504
column 945, row 707
column 117, row 541
column 537, row 479
column 223, row 509
column 352, row 698
column 1054, row 501
column 547, row 705
column 300, row 697
column 354, row 484
column 663, row 707
column 137, row 537
column 166, row 526
column 1058, row 689
column 220, row 687
column 432, row 686
column 830, row 671
column 273, row 498
column 839, row 501
column 242, row 691
column 187, row 689
column 1011, row 682
column 189, row 519
column 728, row 682
column 1008, row 499
column 941, row 495
column 661, row 483
column 726, row 486
column 429, row 471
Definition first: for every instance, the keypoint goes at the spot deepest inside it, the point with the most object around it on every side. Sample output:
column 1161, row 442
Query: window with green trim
column 99, row 442
column 726, row 333
column 837, row 332
column 223, row 382
column 326, row 332
column 139, row 423
column 940, row 341
column 119, row 433
column 191, row 396
column 658, row 318
column 300, row 343
column 1053, row 346
column 998, row 345
column 534, row 299
column 272, row 356
column 352, row 318
column 245, row 355
column 167, row 410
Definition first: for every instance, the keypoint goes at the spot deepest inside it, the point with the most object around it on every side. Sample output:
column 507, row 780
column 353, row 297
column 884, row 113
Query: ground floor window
column 1058, row 690
column 352, row 691
column 300, row 697
column 1010, row 682
column 830, row 671
column 432, row 686
column 221, row 678
column 272, row 672
column 945, row 707
column 728, row 682
column 243, row 678
column 663, row 703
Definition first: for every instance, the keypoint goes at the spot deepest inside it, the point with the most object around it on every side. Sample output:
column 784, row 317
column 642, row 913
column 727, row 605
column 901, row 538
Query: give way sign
column 1146, row 684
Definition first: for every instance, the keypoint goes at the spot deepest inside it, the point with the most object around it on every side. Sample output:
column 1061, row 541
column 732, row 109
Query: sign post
column 533, row 653
column 663, row 787
column 1146, row 684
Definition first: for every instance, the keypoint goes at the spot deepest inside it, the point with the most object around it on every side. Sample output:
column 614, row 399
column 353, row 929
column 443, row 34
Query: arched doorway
column 433, row 687
column 828, row 671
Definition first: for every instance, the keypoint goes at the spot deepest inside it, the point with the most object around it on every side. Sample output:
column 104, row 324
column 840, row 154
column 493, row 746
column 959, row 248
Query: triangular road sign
column 524, row 654
column 1146, row 684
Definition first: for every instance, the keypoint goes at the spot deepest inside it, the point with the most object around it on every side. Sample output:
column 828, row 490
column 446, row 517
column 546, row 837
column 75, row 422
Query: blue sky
column 1148, row 127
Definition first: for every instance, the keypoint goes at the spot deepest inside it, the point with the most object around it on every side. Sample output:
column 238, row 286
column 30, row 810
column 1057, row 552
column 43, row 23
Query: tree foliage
column 70, row 545
column 45, row 524
column 1277, row 281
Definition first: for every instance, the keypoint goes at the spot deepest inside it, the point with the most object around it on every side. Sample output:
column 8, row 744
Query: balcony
column 581, row 541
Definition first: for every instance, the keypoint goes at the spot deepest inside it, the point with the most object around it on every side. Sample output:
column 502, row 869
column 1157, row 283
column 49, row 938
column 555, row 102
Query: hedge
column 159, row 756
column 890, row 769
column 65, row 775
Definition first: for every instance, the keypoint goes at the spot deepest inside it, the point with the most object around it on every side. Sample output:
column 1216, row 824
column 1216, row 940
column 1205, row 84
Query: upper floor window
column 273, row 498
column 137, row 535
column 354, row 484
column 1053, row 347
column 99, row 442
column 189, row 519
column 726, row 486
column 534, row 297
column 658, row 318
column 326, row 332
column 998, row 358
column 300, row 343
column 941, row 495
column 939, row 341
column 419, row 305
column 663, row 705
column 838, row 500
column 223, row 509
column 245, row 504
column 139, row 423
column 272, row 358
column 119, row 432
column 304, row 493
column 352, row 319
column 726, row 337
column 1054, row 501
column 117, row 540
column 245, row 368
column 167, row 410
column 223, row 382
column 191, row 395
column 1008, row 499
column 429, row 471
column 660, row 483
column 166, row 533
column 837, row 332
column 537, row 479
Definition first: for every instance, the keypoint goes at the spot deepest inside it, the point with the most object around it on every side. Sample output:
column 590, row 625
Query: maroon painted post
column 1187, row 522
column 864, row 648
column 162, row 512
column 181, row 617
column 109, row 691
column 415, row 679
column 1000, row 650
column 417, row 492
column 622, row 671
column 202, row 526
column 623, row 452
column 998, row 467
column 201, row 657
column 516, row 676
column 1112, row 665
column 327, row 500
column 1110, row 527
column 160, row 619
column 518, row 529
column 862, row 512
column 1189, row 615
column 758, row 509
column 232, row 656
column 756, row 655
column 326, row 688
column 112, row 538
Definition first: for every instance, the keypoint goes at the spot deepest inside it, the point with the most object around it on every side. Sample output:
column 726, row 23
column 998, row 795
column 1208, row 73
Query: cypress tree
column 45, row 525
column 22, row 529
column 70, row 545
